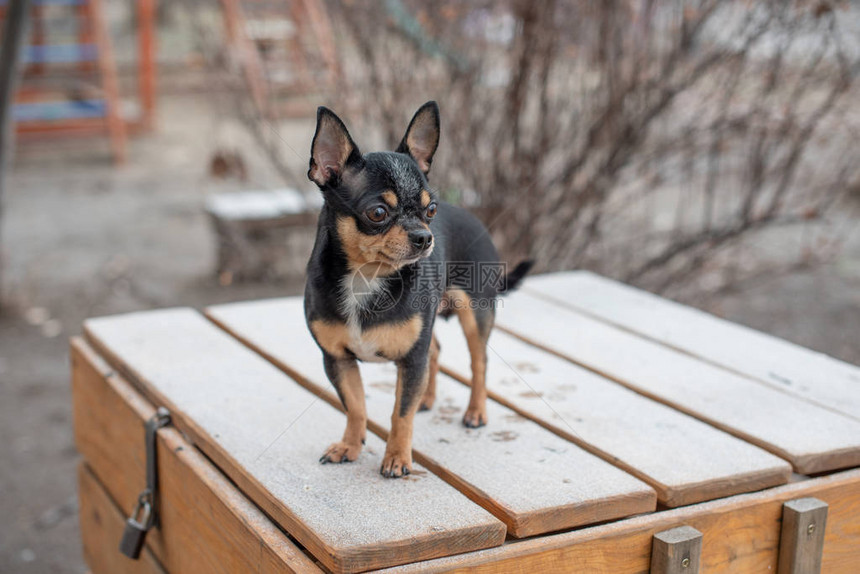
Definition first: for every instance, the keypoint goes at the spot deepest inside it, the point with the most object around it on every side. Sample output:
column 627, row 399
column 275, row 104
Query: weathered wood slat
column 741, row 534
column 684, row 459
column 531, row 479
column 231, row 535
column 812, row 438
column 265, row 431
column 779, row 363
column 101, row 523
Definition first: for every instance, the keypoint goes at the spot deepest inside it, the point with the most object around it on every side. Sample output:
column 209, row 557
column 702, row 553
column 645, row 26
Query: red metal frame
column 93, row 30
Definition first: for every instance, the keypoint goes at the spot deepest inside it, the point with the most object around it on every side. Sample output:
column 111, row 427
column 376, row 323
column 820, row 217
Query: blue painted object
column 60, row 54
column 50, row 2
column 52, row 111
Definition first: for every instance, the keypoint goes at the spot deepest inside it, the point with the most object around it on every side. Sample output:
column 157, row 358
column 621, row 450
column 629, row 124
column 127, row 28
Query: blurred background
column 705, row 150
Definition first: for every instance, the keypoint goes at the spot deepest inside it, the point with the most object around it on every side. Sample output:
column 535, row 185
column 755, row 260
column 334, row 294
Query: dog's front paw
column 395, row 465
column 475, row 417
column 341, row 452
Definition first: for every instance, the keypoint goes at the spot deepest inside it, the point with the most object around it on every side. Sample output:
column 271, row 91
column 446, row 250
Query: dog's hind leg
column 344, row 375
column 476, row 325
column 430, row 394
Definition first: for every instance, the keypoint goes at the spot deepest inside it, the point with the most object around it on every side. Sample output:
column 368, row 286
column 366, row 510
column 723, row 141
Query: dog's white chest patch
column 356, row 293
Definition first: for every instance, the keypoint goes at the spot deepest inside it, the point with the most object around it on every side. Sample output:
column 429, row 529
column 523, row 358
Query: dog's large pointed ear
column 422, row 136
column 332, row 149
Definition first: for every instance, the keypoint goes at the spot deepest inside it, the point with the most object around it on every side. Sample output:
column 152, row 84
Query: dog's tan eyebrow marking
column 390, row 198
column 425, row 198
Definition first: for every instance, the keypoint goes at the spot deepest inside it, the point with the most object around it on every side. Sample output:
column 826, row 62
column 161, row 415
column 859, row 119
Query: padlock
column 144, row 516
column 135, row 530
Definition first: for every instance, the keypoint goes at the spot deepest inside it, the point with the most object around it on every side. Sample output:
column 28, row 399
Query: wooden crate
column 614, row 416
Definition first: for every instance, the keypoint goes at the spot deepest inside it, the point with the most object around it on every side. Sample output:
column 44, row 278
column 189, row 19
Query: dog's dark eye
column 377, row 214
column 431, row 211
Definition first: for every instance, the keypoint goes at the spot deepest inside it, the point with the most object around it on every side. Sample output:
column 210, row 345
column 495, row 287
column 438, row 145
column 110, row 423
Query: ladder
column 68, row 86
column 284, row 48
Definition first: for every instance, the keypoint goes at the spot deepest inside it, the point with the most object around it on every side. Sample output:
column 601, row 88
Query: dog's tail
column 513, row 279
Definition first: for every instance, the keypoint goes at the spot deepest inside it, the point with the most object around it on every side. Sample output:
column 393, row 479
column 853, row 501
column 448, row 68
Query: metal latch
column 143, row 518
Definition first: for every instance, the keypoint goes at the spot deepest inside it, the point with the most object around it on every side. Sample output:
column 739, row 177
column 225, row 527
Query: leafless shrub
column 660, row 142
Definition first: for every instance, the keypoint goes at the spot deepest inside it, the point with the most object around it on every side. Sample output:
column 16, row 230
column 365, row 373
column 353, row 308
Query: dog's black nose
column 421, row 239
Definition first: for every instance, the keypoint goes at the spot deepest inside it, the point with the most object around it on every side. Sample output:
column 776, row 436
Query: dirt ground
column 82, row 238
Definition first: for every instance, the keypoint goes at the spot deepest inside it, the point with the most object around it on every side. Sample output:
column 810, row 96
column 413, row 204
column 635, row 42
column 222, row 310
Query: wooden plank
column 804, row 522
column 205, row 524
column 84, row 127
column 684, row 459
column 741, row 535
column 102, row 523
column 676, row 551
column 812, row 438
column 265, row 431
column 531, row 479
column 776, row 362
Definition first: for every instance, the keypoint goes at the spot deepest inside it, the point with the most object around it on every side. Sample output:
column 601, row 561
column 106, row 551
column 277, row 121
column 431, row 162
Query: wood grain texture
column 767, row 359
column 740, row 536
column 804, row 523
column 101, row 527
column 206, row 525
column 531, row 479
column 684, row 459
column 812, row 438
column 264, row 431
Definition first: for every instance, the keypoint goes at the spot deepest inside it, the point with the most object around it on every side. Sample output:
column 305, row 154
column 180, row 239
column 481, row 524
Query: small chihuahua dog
column 389, row 256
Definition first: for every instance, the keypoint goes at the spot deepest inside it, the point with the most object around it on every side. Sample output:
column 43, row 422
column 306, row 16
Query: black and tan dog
column 389, row 256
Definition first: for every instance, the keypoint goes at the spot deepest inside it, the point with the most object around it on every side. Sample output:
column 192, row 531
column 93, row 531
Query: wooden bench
column 626, row 433
column 263, row 234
